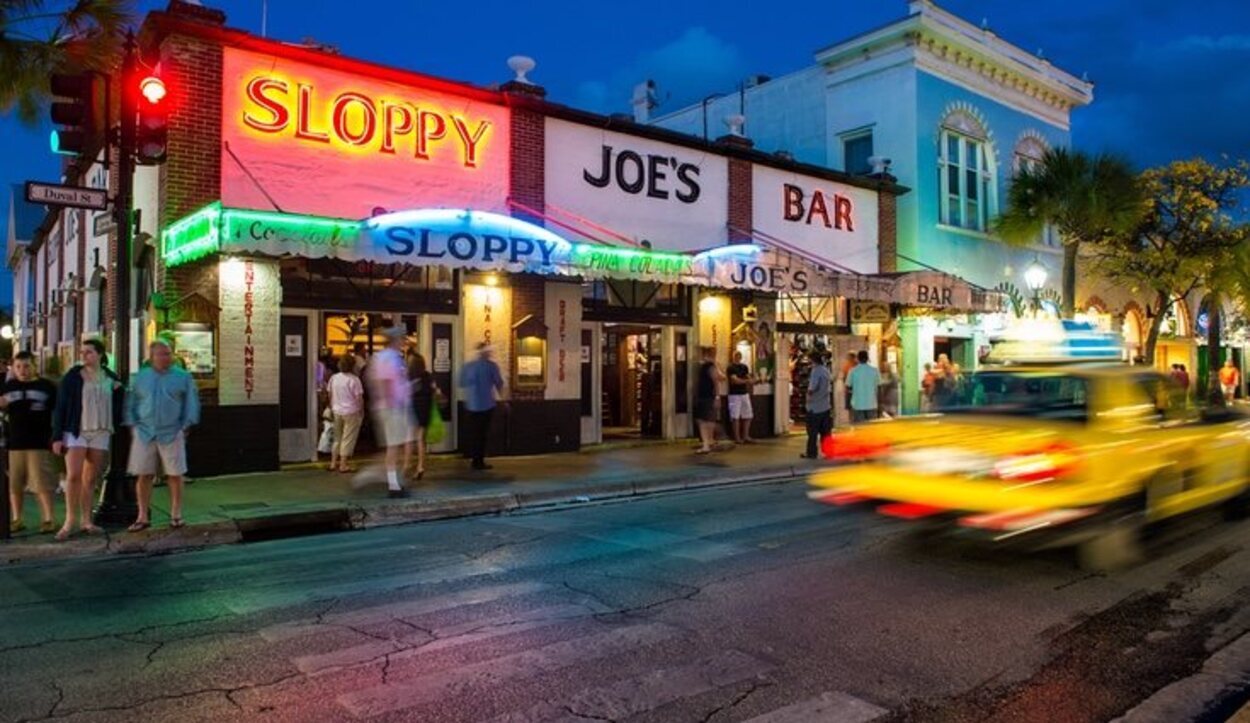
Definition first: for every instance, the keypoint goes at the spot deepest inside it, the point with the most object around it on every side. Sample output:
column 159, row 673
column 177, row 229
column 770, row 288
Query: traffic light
column 75, row 113
column 152, row 131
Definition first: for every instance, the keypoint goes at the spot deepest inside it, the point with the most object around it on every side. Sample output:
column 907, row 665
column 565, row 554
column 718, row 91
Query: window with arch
column 1028, row 154
column 966, row 173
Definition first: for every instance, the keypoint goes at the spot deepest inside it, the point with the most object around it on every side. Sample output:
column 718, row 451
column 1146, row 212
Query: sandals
column 64, row 534
column 176, row 523
column 139, row 526
column 93, row 530
column 47, row 527
column 17, row 526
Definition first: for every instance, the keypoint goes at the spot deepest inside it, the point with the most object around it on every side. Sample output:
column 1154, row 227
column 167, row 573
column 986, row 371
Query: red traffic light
column 152, row 88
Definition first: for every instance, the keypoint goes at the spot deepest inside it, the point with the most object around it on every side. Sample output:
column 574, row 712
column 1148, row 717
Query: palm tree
column 1086, row 199
column 39, row 38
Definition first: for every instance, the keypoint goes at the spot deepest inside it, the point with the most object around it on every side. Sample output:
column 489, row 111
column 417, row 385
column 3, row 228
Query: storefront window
column 369, row 286
column 621, row 300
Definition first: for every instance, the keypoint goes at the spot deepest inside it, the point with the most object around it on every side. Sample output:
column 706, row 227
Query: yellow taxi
column 1049, row 454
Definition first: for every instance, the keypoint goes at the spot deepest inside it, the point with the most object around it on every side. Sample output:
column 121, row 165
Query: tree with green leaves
column 42, row 37
column 1188, row 239
column 1086, row 199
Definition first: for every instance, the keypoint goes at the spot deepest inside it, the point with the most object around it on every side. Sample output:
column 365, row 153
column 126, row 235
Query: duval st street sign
column 51, row 194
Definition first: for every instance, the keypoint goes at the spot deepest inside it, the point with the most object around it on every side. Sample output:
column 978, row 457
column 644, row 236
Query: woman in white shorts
column 82, row 428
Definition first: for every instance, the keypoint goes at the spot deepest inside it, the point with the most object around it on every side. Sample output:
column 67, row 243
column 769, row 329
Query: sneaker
column 17, row 526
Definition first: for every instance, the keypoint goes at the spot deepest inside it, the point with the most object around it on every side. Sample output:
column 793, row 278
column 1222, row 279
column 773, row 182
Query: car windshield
column 1042, row 394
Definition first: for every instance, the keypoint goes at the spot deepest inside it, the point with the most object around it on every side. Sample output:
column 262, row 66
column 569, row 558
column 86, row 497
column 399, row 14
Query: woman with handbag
column 424, row 409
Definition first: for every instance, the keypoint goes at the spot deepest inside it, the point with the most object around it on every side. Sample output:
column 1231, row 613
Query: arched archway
column 1133, row 330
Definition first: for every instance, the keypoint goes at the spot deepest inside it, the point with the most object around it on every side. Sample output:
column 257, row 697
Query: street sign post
column 51, row 194
column 103, row 223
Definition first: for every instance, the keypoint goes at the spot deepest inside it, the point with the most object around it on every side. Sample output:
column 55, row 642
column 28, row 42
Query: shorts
column 150, row 457
column 392, row 427
column 1230, row 390
column 31, row 469
column 740, row 406
column 705, row 409
column 88, row 440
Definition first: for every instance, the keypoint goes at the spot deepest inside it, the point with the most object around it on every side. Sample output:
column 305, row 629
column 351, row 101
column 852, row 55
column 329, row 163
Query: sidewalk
column 308, row 500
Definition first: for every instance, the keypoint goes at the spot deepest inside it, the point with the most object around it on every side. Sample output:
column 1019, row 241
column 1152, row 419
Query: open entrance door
column 633, row 402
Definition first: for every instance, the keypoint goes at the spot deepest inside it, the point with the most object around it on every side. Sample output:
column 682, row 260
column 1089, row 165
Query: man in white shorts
column 161, row 406
column 740, row 412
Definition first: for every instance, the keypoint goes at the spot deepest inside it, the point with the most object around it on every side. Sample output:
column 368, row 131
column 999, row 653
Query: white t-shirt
column 346, row 394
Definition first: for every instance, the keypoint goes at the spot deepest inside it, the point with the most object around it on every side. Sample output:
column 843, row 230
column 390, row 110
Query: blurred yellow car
column 1049, row 455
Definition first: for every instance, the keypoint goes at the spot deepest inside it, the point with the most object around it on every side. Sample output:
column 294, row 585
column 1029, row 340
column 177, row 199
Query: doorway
column 632, row 373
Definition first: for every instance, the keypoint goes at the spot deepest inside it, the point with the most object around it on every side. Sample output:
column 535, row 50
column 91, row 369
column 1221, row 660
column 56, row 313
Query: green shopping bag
column 435, row 432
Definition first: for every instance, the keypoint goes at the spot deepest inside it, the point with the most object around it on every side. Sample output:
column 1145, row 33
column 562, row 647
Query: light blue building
column 951, row 110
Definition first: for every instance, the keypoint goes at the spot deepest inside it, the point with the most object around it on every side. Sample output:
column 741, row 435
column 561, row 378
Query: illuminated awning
column 483, row 241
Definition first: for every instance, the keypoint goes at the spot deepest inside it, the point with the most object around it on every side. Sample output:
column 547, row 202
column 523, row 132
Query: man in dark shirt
column 29, row 400
column 740, row 412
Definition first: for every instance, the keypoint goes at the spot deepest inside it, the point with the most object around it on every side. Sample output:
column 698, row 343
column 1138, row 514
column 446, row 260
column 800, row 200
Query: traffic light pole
column 118, row 505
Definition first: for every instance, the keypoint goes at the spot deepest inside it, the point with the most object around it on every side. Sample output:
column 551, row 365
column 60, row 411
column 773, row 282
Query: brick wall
column 528, row 152
column 740, row 201
column 887, row 232
column 191, row 177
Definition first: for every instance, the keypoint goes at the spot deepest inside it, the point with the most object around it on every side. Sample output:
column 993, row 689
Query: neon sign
column 469, row 240
column 278, row 106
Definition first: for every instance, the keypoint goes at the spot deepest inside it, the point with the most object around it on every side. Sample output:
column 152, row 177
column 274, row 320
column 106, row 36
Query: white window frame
column 984, row 173
column 1026, row 156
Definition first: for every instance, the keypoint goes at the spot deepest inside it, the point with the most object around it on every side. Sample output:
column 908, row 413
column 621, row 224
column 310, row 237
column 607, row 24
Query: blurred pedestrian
column 819, row 404
column 162, row 405
column 87, row 406
column 390, row 399
column 740, row 412
column 1230, row 379
column 29, row 400
column 1182, row 378
column 927, row 385
column 864, row 383
column 347, row 407
column 483, row 385
column 706, row 412
column 424, row 392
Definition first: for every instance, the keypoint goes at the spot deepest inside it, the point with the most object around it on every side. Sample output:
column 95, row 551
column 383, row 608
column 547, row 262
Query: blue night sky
column 1171, row 80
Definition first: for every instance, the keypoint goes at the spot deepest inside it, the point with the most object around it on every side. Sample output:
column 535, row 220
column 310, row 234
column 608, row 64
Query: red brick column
column 191, row 177
column 741, row 219
column 887, row 231
column 527, row 186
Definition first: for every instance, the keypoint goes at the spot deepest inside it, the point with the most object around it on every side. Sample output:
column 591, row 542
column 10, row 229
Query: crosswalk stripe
column 830, row 707
column 651, row 691
column 486, row 674
column 468, row 633
column 404, row 609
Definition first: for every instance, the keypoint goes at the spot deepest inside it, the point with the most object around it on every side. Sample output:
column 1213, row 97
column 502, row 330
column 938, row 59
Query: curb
column 346, row 517
column 1225, row 673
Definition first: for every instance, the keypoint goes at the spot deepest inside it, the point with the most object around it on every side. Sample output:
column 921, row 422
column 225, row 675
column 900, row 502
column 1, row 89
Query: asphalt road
column 742, row 604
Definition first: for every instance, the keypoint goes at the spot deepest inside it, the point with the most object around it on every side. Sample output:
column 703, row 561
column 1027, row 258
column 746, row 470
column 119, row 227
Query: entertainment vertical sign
column 251, row 296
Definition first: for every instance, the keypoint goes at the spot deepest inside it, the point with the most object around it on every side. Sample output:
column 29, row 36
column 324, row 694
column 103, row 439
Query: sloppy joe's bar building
column 309, row 200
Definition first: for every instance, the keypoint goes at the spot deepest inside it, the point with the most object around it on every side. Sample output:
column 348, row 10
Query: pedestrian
column 424, row 392
column 706, row 411
column 389, row 396
column 347, row 407
column 89, row 401
column 483, row 385
column 1183, row 378
column 359, row 353
column 740, row 412
column 1230, row 379
column 889, row 392
column 844, row 375
column 819, row 404
column 864, row 383
column 928, row 384
column 162, row 405
column 29, row 400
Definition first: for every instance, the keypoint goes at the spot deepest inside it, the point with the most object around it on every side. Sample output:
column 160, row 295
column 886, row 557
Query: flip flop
column 64, row 534
column 139, row 527
column 176, row 523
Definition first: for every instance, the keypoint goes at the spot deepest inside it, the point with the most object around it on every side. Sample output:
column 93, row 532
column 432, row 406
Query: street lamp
column 1035, row 278
column 6, row 332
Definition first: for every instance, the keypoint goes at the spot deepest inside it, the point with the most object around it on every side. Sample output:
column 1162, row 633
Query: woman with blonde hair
column 87, row 408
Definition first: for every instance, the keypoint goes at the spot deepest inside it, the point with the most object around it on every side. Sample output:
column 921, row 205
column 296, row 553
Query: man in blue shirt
column 481, row 381
column 819, row 403
column 863, row 381
column 161, row 405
